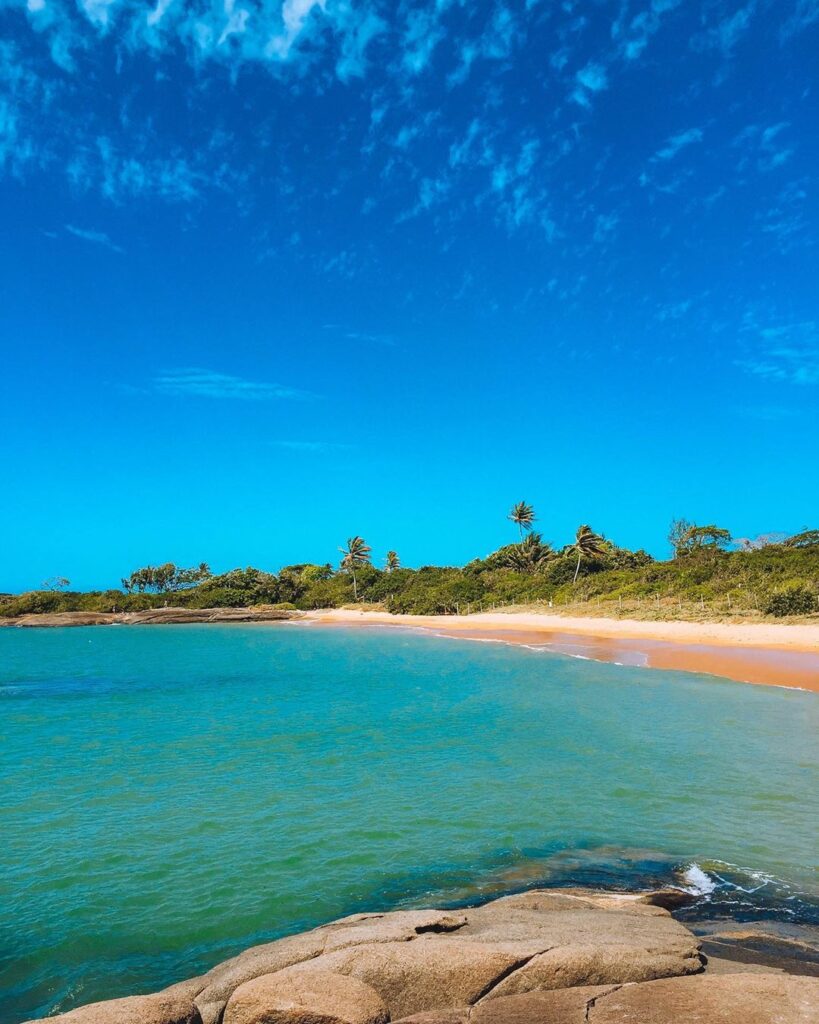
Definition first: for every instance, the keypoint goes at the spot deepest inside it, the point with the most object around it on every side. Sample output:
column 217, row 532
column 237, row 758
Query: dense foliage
column 778, row 577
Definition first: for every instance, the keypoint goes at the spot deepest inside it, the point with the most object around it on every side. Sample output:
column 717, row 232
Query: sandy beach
column 773, row 654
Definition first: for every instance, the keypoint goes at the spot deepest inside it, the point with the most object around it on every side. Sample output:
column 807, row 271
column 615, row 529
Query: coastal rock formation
column 728, row 999
column 401, row 926
column 568, row 956
column 171, row 1006
column 297, row 996
column 151, row 617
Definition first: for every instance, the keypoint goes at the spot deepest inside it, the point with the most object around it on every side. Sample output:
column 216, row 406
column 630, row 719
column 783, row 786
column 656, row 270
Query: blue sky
column 278, row 273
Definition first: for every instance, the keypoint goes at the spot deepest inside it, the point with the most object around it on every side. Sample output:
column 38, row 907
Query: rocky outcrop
column 171, row 1006
column 297, row 996
column 542, row 957
column 360, row 929
column 151, row 617
column 706, row 999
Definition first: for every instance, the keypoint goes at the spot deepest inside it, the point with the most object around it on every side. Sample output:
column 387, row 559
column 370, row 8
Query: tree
column 164, row 578
column 529, row 555
column 357, row 552
column 676, row 531
column 55, row 583
column 587, row 544
column 703, row 540
column 523, row 515
column 392, row 561
column 805, row 539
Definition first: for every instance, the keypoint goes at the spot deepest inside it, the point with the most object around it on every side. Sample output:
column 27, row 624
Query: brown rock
column 572, row 965
column 577, row 899
column 712, row 999
column 168, row 1007
column 601, row 939
column 562, row 1006
column 668, row 899
column 297, row 996
column 400, row 926
column 431, row 973
column 63, row 619
column 459, row 1016
column 221, row 982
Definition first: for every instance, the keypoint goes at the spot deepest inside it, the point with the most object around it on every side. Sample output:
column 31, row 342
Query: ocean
column 170, row 795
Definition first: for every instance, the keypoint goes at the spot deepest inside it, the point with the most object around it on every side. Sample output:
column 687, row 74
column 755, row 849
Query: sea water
column 173, row 794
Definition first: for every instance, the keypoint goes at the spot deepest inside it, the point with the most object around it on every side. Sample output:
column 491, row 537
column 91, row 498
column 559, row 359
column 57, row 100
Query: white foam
column 699, row 883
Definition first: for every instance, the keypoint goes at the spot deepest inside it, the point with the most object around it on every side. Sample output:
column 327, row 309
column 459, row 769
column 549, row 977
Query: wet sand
column 767, row 654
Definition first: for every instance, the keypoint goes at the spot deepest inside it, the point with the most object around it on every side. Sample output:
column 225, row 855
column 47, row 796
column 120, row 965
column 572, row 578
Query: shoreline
column 763, row 653
column 768, row 654
column 539, row 954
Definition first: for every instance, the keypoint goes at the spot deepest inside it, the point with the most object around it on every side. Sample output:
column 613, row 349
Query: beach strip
column 772, row 654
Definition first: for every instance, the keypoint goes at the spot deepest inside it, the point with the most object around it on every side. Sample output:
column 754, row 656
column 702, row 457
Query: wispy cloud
column 726, row 33
column 805, row 14
column 591, row 79
column 357, row 336
column 97, row 237
column 677, row 142
column 200, row 383
column 788, row 353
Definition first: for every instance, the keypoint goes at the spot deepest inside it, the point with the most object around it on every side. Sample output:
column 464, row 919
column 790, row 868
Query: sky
column 276, row 274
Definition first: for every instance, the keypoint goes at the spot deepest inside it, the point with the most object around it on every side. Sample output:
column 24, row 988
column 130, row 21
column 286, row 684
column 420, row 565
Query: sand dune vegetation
column 710, row 574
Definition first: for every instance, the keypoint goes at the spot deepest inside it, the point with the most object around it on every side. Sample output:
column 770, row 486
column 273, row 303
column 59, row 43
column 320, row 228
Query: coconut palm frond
column 523, row 515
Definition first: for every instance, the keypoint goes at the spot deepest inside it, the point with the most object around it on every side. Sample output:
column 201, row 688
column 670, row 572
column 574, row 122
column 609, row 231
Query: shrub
column 794, row 600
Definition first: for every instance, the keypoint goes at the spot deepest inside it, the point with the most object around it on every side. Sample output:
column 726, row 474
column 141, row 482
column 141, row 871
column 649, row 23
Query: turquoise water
column 173, row 794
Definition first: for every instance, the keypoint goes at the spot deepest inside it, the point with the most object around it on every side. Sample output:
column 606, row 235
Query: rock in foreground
column 542, row 957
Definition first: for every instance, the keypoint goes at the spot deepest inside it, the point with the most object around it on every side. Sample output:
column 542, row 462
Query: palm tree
column 356, row 553
column 523, row 515
column 587, row 544
column 392, row 561
column 528, row 556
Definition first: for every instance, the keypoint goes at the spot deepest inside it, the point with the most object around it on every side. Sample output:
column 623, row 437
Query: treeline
column 770, row 575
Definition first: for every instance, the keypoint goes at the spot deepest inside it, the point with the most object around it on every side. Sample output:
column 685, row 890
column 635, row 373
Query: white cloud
column 678, row 142
column 200, row 383
column 727, row 33
column 788, row 353
column 423, row 34
column 97, row 237
column 591, row 79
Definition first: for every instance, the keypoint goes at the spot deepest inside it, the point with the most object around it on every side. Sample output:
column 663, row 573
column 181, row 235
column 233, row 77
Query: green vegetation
column 710, row 575
column 523, row 515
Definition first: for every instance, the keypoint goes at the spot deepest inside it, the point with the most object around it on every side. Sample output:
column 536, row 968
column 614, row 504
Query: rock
column 711, row 999
column 431, row 973
column 220, row 983
column 704, row 999
column 716, row 965
column 297, row 996
column 400, row 926
column 151, row 616
column 561, row 1006
column 573, row 965
column 438, row 962
column 169, row 1007
column 668, row 899
column 577, row 939
column 793, row 949
column 460, row 1016
column 62, row 619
